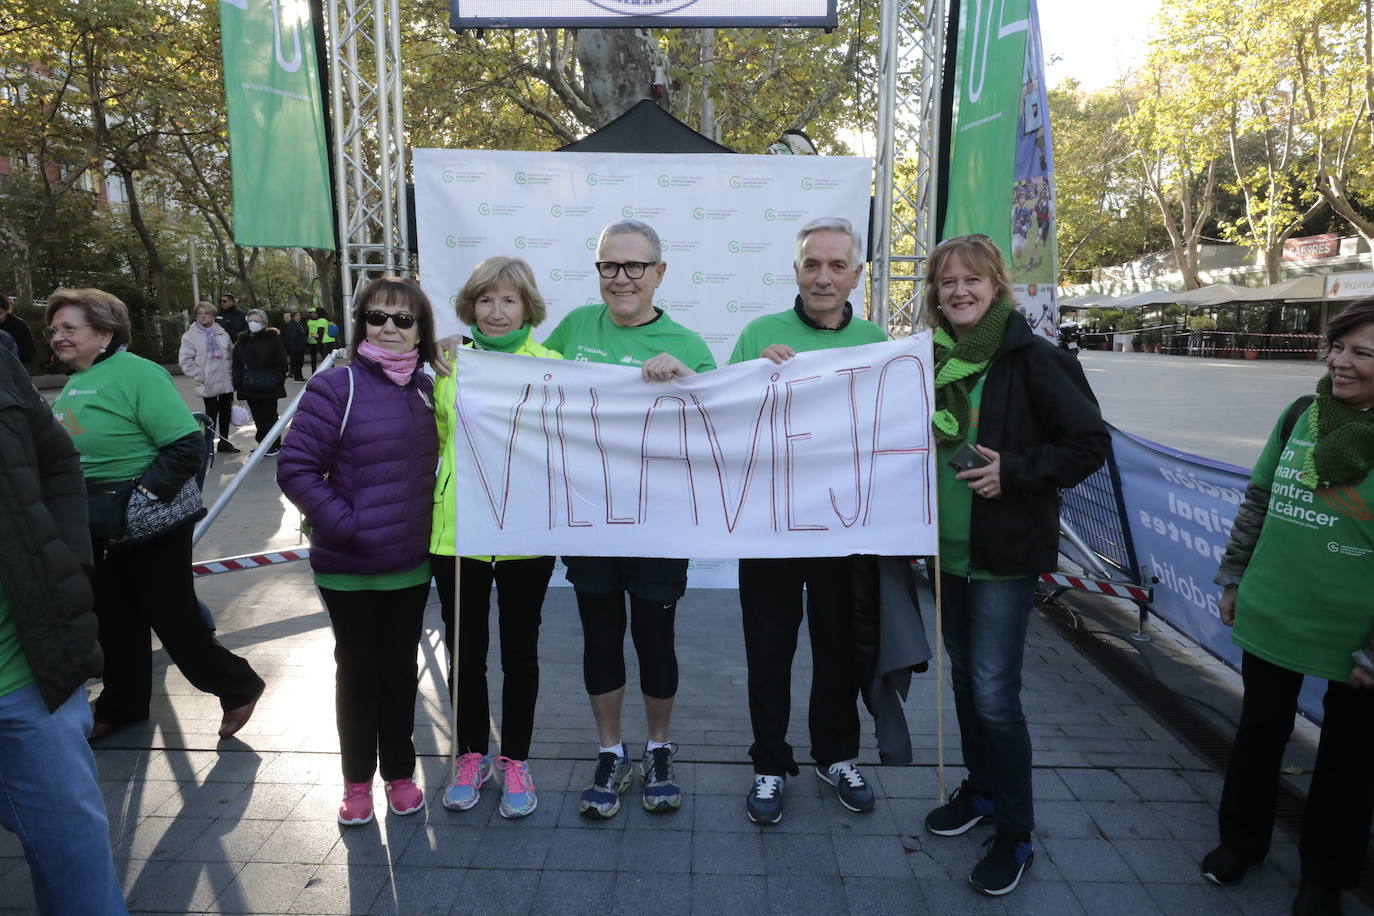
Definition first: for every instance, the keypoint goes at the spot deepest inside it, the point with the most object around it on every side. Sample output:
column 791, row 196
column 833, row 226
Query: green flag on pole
column 277, row 148
column 1001, row 163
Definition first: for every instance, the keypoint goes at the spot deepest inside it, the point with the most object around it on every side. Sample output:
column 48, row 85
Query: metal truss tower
column 369, row 143
column 910, row 56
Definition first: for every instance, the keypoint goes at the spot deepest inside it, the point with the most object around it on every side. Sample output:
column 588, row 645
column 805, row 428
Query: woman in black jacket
column 47, row 651
column 260, row 369
column 1016, row 415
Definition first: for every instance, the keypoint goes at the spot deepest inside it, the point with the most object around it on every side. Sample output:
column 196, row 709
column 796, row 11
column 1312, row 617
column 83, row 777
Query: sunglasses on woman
column 403, row 321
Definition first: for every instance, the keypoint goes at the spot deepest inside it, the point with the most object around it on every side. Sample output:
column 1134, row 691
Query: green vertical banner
column 1000, row 172
column 277, row 147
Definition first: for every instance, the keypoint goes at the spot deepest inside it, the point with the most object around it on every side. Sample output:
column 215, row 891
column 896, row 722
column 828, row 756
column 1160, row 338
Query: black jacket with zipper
column 1038, row 412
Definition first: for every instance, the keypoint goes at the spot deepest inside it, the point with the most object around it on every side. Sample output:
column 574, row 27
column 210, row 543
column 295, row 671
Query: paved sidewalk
column 1124, row 810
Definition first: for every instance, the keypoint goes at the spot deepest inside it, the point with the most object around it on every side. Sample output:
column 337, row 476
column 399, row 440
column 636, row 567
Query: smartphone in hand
column 966, row 458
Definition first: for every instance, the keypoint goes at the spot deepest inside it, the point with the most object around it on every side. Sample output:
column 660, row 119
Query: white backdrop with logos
column 727, row 222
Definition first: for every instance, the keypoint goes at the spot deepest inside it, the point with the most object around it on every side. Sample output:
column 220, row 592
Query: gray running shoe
column 612, row 777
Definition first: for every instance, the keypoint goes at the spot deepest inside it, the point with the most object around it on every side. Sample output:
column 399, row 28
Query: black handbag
column 147, row 518
column 107, row 505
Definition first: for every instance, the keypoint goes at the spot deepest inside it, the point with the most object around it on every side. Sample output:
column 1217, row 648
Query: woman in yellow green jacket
column 502, row 305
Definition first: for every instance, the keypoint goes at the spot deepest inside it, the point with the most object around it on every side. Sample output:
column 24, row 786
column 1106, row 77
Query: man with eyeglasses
column 627, row 329
column 829, row 263
column 230, row 318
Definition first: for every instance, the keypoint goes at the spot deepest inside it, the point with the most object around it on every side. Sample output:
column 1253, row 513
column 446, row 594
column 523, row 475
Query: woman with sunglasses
column 1015, row 422
column 502, row 305
column 359, row 464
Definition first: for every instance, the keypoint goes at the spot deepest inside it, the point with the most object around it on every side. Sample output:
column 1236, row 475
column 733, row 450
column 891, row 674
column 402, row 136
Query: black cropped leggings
column 603, row 643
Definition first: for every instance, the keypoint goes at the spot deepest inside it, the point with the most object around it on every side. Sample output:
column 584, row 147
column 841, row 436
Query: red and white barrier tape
column 1114, row 589
column 251, row 561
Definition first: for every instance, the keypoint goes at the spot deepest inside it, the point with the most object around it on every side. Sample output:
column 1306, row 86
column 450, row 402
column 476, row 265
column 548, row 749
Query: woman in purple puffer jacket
column 359, row 463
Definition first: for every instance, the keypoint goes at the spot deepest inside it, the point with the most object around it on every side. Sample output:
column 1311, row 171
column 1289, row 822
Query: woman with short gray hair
column 260, row 368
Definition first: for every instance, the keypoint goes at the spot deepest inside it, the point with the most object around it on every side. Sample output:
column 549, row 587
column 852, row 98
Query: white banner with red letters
column 829, row 454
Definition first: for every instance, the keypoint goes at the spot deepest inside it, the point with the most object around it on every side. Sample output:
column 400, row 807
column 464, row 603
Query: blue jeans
column 985, row 636
column 50, row 799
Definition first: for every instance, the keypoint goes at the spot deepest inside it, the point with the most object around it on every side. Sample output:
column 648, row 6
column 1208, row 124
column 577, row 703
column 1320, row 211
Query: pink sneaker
column 356, row 807
column 404, row 796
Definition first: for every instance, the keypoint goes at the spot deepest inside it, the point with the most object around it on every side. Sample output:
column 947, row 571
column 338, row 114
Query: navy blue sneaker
column 1001, row 869
column 764, row 804
column 964, row 811
column 851, row 788
column 612, row 778
column 661, row 791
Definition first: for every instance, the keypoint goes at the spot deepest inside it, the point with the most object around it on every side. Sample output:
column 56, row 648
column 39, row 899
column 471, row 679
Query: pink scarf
column 399, row 367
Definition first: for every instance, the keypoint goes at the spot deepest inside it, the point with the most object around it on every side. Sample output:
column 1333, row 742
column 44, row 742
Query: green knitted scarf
column 958, row 363
column 506, row 343
column 1342, row 450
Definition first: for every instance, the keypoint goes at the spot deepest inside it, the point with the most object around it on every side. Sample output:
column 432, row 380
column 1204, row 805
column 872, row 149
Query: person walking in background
column 628, row 329
column 139, row 445
column 828, row 263
column 18, row 329
column 502, row 304
column 293, row 335
column 260, row 367
column 48, row 650
column 1017, row 414
column 205, row 359
column 319, row 341
column 1296, row 579
column 230, row 318
column 359, row 464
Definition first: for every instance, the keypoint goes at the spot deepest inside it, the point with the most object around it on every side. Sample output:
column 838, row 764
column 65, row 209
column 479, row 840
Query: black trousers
column 298, row 365
column 316, row 350
column 1340, row 802
column 376, row 637
column 264, row 411
column 217, row 409
column 603, row 643
column 770, row 595
column 520, row 588
column 146, row 587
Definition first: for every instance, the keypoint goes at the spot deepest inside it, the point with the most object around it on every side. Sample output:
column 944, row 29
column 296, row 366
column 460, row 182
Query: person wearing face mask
column 1017, row 413
column 205, row 359
column 260, row 369
column 359, row 464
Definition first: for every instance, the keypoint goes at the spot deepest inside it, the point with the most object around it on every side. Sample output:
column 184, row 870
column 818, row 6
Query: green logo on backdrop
column 484, row 209
column 698, row 213
column 591, row 243
column 627, row 211
column 770, row 214
column 519, row 177
column 592, row 301
column 807, row 184
column 519, row 241
column 556, row 275
column 732, row 306
column 734, row 247
column 767, row 279
column 451, row 241
column 663, row 181
column 556, row 211
column 698, row 277
column 449, row 177
column 592, row 179
column 735, row 181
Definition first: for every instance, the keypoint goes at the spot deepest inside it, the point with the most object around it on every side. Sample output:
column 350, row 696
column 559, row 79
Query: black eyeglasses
column 634, row 270
column 404, row 321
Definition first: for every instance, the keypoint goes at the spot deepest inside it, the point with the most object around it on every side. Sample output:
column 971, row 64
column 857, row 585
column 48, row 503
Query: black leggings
column 218, row 409
column 603, row 643
column 520, row 587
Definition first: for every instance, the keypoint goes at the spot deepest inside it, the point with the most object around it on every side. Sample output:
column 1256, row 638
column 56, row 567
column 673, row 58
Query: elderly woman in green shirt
column 1297, row 575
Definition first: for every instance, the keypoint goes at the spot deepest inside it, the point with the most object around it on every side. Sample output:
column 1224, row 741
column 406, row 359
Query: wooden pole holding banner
column 457, row 594
column 939, row 687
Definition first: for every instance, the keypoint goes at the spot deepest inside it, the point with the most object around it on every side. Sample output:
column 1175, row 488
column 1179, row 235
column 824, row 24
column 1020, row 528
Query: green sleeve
column 704, row 361
column 161, row 412
column 1263, row 474
column 555, row 340
column 744, row 347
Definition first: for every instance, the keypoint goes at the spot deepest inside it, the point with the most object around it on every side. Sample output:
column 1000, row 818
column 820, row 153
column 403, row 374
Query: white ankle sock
column 652, row 745
column 618, row 750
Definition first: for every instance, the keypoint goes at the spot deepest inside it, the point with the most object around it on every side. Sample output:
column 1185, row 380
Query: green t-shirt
column 956, row 501
column 787, row 328
column 374, row 582
column 587, row 334
column 120, row 413
column 317, row 331
column 14, row 665
column 1303, row 602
